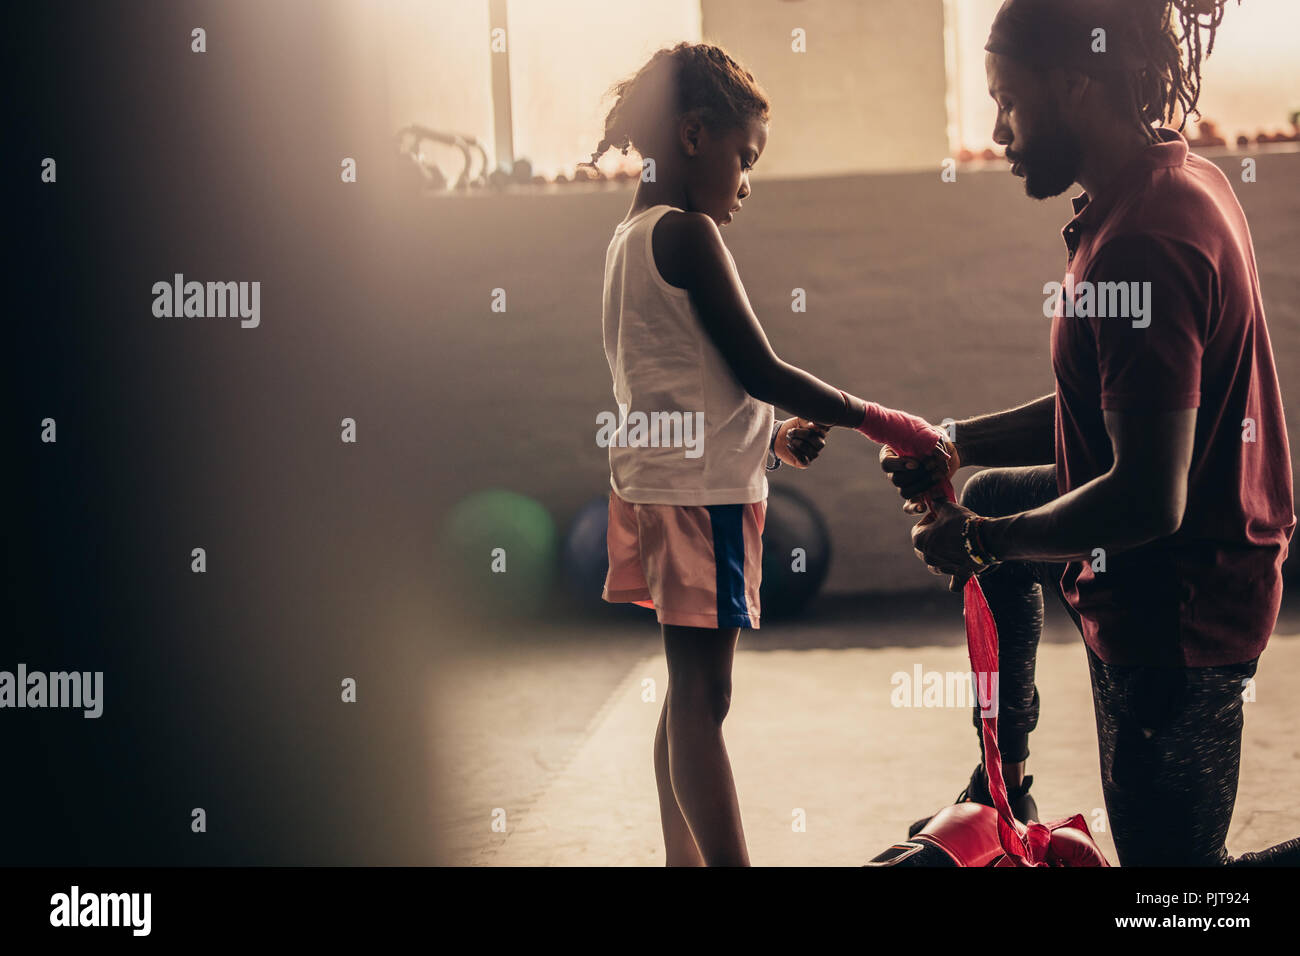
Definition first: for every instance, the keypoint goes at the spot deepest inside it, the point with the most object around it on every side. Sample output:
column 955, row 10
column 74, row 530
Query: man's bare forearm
column 1103, row 514
column 1025, row 435
column 1141, row 498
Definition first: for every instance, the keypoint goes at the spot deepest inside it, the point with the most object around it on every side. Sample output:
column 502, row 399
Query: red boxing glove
column 1072, row 845
column 967, row 832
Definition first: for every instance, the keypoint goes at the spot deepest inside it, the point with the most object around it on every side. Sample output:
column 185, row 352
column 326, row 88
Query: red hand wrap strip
column 914, row 437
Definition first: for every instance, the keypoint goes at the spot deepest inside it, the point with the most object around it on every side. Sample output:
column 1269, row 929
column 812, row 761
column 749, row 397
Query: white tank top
column 683, row 431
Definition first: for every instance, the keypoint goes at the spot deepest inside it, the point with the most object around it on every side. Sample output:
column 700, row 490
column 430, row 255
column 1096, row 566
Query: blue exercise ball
column 796, row 553
column 585, row 553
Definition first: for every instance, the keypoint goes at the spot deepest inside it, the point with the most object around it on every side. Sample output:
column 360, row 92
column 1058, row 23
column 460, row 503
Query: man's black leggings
column 1169, row 738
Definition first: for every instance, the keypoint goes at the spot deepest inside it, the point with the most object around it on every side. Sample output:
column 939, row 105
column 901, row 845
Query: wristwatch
column 773, row 463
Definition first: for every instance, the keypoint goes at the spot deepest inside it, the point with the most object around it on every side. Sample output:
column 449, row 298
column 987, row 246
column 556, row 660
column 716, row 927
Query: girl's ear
column 689, row 131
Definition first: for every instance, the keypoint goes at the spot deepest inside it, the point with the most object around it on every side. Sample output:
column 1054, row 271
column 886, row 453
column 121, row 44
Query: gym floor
column 554, row 730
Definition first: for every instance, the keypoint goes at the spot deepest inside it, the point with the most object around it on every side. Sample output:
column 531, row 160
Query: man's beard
column 1050, row 163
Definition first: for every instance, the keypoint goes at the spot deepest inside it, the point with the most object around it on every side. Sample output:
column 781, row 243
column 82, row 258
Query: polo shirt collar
column 1168, row 153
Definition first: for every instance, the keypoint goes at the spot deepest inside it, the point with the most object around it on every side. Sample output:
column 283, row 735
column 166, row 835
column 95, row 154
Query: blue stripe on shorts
column 729, row 560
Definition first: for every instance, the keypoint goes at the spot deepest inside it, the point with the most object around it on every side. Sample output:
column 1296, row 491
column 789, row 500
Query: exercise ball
column 585, row 553
column 498, row 551
column 796, row 553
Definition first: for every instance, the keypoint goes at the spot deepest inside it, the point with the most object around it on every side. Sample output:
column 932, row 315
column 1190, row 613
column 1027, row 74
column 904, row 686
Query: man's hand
column 799, row 441
column 913, row 477
column 940, row 542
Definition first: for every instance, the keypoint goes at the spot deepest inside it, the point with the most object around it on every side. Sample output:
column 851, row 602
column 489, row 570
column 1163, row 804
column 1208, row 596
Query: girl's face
column 718, row 165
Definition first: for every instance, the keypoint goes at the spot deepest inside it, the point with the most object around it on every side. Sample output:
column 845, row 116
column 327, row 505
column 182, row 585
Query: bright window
column 1251, row 83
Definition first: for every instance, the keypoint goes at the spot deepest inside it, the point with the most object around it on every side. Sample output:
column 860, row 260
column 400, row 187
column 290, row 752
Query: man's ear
column 1075, row 88
column 689, row 131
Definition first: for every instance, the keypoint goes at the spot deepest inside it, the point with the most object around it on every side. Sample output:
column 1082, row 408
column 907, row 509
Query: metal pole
column 503, row 123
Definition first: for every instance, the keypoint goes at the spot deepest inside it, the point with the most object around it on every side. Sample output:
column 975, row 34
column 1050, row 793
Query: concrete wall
column 868, row 94
column 921, row 295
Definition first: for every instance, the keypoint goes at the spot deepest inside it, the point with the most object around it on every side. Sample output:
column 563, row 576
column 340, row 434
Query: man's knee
column 982, row 492
column 1011, row 587
column 997, row 492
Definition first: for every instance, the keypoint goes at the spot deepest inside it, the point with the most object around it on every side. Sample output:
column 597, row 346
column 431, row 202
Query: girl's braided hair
column 688, row 77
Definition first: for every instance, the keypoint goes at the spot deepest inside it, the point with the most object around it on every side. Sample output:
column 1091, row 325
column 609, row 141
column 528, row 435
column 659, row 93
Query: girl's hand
column 799, row 441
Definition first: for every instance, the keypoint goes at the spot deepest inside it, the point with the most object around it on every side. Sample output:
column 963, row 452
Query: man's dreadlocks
column 1168, row 87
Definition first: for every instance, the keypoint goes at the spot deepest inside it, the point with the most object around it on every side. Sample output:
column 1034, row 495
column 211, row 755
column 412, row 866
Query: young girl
column 681, row 338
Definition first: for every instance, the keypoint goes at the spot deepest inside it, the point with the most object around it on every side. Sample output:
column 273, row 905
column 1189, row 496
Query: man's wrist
column 949, row 429
column 963, row 440
column 954, row 437
column 975, row 550
column 994, row 537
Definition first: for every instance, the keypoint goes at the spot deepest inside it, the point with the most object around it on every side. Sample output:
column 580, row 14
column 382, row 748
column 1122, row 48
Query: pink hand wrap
column 912, row 437
column 908, row 435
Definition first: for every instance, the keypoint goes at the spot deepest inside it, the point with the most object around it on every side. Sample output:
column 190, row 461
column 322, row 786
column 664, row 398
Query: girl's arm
column 690, row 255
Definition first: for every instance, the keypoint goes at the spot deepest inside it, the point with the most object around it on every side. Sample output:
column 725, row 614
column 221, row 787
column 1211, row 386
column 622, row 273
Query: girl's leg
column 698, row 698
column 679, row 845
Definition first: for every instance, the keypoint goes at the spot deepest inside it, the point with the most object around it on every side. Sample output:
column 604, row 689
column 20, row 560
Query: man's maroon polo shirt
column 1208, row 594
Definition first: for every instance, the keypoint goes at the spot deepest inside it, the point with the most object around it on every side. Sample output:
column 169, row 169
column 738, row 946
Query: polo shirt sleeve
column 1149, row 359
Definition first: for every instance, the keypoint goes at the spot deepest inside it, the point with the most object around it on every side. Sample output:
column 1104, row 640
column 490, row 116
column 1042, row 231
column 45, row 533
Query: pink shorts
column 696, row 565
